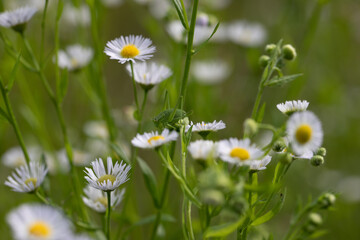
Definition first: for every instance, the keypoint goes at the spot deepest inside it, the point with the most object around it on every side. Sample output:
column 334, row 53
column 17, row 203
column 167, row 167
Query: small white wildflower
column 96, row 129
column 154, row 139
column 289, row 107
column 206, row 126
column 210, row 72
column 260, row 164
column 17, row 18
column 75, row 57
column 76, row 16
column 203, row 149
column 246, row 34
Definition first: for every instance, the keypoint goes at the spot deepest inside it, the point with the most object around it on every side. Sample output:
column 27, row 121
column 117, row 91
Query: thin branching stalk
column 108, row 213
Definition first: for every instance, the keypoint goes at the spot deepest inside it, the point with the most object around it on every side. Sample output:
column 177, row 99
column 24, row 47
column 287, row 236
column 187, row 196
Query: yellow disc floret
column 129, row 51
column 40, row 229
column 102, row 200
column 303, row 133
column 30, row 180
column 105, row 178
column 155, row 138
column 240, row 153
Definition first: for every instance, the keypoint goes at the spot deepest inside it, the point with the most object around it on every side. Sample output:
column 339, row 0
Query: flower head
column 204, row 128
column 154, row 139
column 130, row 48
column 203, row 149
column 289, row 107
column 210, row 72
column 76, row 15
column 108, row 180
column 75, row 57
column 304, row 132
column 17, row 19
column 149, row 75
column 246, row 33
column 239, row 152
column 27, row 178
column 14, row 157
column 35, row 222
column 260, row 164
column 97, row 199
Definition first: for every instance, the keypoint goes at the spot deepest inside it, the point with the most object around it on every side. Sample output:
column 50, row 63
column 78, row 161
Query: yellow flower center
column 105, row 178
column 155, row 138
column 74, row 62
column 30, row 180
column 240, row 153
column 129, row 51
column 40, row 229
column 102, row 200
column 303, row 133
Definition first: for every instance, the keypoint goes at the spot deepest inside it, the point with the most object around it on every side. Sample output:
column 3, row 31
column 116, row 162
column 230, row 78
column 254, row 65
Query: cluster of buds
column 318, row 158
column 287, row 52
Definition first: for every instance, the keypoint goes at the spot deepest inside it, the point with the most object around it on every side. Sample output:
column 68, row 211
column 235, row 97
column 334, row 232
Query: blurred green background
column 326, row 35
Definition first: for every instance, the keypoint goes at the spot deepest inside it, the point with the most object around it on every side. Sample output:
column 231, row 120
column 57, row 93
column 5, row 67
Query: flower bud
column 321, row 151
column 279, row 146
column 326, row 200
column 315, row 219
column 289, row 52
column 283, row 157
column 250, row 127
column 263, row 60
column 317, row 160
column 270, row 48
column 202, row 20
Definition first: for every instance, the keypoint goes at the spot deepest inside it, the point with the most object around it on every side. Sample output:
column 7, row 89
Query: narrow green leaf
column 279, row 81
column 150, row 181
column 261, row 113
column 181, row 14
column 13, row 72
column 270, row 214
column 224, row 229
column 207, row 40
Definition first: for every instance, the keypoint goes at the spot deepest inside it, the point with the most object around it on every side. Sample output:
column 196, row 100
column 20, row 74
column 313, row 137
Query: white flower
column 149, row 75
column 304, row 132
column 17, row 18
column 76, row 15
column 206, row 127
column 96, row 129
column 246, row 33
column 154, row 139
column 260, row 164
column 14, row 157
column 107, row 181
column 75, row 57
column 159, row 8
column 289, row 107
column 27, row 179
column 130, row 48
column 203, row 149
column 176, row 31
column 80, row 158
column 97, row 199
column 239, row 152
column 38, row 222
column 210, row 72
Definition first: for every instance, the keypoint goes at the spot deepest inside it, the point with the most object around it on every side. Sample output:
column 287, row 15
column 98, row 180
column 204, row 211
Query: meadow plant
column 221, row 191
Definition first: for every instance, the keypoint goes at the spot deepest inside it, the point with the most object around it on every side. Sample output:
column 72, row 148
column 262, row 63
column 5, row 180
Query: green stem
column 134, row 86
column 257, row 102
column 13, row 122
column 42, row 198
column 108, row 213
column 43, row 21
column 189, row 52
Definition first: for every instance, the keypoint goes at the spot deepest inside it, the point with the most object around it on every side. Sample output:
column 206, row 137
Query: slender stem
column 42, row 198
column 108, row 215
column 141, row 111
column 257, row 102
column 14, row 122
column 134, row 86
column 43, row 21
column 189, row 221
column 189, row 52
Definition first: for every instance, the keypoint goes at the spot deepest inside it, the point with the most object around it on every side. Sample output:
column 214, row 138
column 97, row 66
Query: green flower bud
column 315, row 219
column 283, row 157
column 289, row 52
column 263, row 60
column 317, row 160
column 270, row 48
column 321, row 151
column 279, row 146
column 250, row 127
column 326, row 200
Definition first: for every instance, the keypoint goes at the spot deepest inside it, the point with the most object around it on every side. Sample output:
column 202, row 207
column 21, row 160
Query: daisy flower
column 75, row 57
column 37, row 221
column 130, row 48
column 203, row 149
column 17, row 19
column 154, row 139
column 304, row 132
column 149, row 75
column 27, row 179
column 14, row 157
column 76, row 16
column 239, row 152
column 97, row 199
column 96, row 129
column 246, row 33
column 289, row 107
column 260, row 164
column 210, row 72
column 204, row 128
column 107, row 181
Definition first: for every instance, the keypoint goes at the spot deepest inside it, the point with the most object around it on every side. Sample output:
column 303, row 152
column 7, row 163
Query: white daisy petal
column 203, row 149
column 289, row 107
column 17, row 18
column 154, row 139
column 206, row 127
column 37, row 221
column 108, row 180
column 304, row 132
